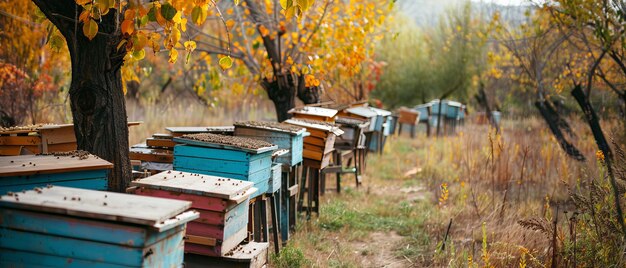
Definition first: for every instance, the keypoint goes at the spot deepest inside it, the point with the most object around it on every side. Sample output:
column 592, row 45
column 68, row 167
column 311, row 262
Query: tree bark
column 569, row 148
column 96, row 95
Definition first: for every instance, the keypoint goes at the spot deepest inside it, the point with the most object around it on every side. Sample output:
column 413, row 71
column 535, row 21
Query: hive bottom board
column 249, row 255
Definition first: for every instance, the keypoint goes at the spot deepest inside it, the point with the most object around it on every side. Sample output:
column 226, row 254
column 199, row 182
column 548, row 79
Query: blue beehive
column 285, row 136
column 26, row 172
column 67, row 227
column 226, row 156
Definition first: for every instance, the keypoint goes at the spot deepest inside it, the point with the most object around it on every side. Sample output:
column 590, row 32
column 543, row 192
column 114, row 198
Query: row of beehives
column 215, row 177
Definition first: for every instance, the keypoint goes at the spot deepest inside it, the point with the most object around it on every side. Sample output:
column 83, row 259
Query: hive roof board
column 226, row 142
column 362, row 111
column 23, row 165
column 272, row 126
column 97, row 205
column 198, row 184
column 352, row 122
column 321, row 126
column 199, row 129
column 317, row 111
column 380, row 112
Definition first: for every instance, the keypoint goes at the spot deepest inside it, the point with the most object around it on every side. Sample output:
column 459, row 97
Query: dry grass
column 473, row 178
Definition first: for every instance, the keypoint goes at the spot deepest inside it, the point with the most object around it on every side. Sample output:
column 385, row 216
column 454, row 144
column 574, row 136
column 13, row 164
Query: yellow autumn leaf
column 263, row 30
column 226, row 62
column 173, row 55
column 90, row 29
column 83, row 2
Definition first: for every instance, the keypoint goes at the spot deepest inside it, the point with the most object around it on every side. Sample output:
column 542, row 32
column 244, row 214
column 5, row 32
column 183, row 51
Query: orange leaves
column 90, row 29
column 128, row 27
column 263, row 30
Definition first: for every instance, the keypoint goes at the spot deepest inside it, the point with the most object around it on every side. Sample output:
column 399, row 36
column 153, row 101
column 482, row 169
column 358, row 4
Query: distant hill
column 426, row 13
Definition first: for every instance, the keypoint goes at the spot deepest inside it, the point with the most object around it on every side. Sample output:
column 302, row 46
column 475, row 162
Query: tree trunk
column 569, row 148
column 282, row 92
column 96, row 95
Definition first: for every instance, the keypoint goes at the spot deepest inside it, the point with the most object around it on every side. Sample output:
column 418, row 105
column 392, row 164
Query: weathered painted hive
column 275, row 180
column 26, row 172
column 318, row 146
column 314, row 113
column 352, row 128
column 226, row 156
column 67, row 227
column 285, row 136
column 221, row 202
column 364, row 113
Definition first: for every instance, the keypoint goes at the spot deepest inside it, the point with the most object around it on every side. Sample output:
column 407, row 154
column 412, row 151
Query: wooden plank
column 81, row 228
column 20, row 140
column 316, row 148
column 313, row 155
column 162, row 136
column 18, row 258
column 224, row 146
column 84, row 249
column 12, row 150
column 101, row 184
column 97, row 205
column 45, row 164
column 151, row 155
column 56, row 134
column 219, row 250
column 200, row 240
column 203, row 185
column 221, row 232
column 314, row 111
column 249, row 255
column 168, row 143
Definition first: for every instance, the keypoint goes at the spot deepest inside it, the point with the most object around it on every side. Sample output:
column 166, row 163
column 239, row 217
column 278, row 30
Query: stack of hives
column 286, row 137
column 319, row 145
column 59, row 227
column 73, row 169
column 221, row 202
column 226, row 156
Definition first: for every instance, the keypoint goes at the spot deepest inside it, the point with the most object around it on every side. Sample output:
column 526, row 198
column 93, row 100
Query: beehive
column 318, row 147
column 314, row 113
column 364, row 113
column 68, row 227
column 226, row 156
column 79, row 170
column 221, row 202
column 285, row 136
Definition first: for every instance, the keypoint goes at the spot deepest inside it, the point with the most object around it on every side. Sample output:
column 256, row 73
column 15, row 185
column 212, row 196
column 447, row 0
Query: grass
column 485, row 183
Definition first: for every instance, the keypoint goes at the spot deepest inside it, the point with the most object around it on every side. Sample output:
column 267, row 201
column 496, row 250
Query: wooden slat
column 44, row 164
column 20, row 140
column 168, row 143
column 97, row 205
column 151, row 155
column 14, row 150
column 314, row 111
column 203, row 185
column 200, row 240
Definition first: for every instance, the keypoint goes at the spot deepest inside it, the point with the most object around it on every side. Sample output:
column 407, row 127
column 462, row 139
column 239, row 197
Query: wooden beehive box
column 352, row 128
column 82, row 170
column 226, row 156
column 61, row 227
column 222, row 130
column 318, row 146
column 37, row 139
column 364, row 113
column 285, row 136
column 221, row 202
column 314, row 113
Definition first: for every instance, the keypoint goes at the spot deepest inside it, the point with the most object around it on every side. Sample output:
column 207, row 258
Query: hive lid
column 317, row 111
column 227, row 142
column 318, row 125
column 362, row 111
column 23, row 165
column 198, row 184
column 380, row 111
column 156, row 212
column 272, row 126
